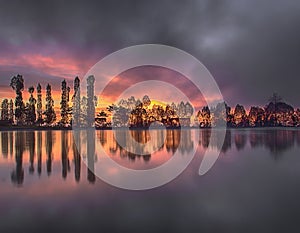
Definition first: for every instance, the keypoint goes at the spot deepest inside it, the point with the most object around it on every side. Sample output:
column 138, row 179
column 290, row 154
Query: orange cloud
column 57, row 65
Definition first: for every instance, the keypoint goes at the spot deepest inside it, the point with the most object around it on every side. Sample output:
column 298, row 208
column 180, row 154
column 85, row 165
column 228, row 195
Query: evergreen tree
column 17, row 84
column 50, row 115
column 64, row 104
column 90, row 101
column 76, row 102
column 11, row 111
column 4, row 110
column 39, row 104
column 31, row 115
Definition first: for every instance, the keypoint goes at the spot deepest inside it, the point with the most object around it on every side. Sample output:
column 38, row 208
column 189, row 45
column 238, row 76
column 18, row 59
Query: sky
column 252, row 48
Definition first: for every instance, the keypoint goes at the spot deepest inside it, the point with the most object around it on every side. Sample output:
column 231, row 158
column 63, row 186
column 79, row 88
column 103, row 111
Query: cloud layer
column 251, row 47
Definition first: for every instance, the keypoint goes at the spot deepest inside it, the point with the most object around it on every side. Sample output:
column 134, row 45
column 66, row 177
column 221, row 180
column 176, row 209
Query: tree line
column 31, row 113
column 80, row 110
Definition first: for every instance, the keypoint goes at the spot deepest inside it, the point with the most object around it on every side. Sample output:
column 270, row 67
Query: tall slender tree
column 76, row 102
column 4, row 110
column 31, row 115
column 64, row 103
column 50, row 115
column 17, row 84
column 90, row 101
column 11, row 111
column 39, row 104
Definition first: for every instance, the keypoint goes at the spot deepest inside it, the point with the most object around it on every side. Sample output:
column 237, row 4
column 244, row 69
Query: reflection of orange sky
column 104, row 139
column 47, row 184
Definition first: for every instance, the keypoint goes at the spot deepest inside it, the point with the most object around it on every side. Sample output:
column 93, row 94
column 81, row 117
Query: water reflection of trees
column 42, row 144
column 207, row 139
column 180, row 140
column 64, row 154
column 30, row 145
column 4, row 144
column 76, row 154
column 277, row 141
column 91, row 155
column 49, row 147
column 17, row 175
column 39, row 152
column 240, row 140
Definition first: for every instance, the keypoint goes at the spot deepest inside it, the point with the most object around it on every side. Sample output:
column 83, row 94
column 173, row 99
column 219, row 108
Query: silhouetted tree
column 50, row 115
column 76, row 102
column 17, row 84
column 90, row 101
column 39, row 104
column 101, row 118
column 64, row 104
column 204, row 117
column 275, row 99
column 256, row 117
column 4, row 110
column 11, row 111
column 239, row 116
column 31, row 115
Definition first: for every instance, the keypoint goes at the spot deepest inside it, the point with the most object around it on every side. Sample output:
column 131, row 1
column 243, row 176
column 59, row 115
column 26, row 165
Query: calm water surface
column 253, row 187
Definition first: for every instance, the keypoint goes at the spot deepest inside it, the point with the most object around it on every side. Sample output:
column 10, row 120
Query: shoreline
column 40, row 128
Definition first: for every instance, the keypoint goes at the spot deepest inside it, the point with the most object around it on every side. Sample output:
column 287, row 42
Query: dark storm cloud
column 251, row 47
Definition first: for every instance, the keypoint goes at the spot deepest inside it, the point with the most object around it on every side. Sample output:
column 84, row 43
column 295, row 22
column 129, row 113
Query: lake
column 254, row 186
